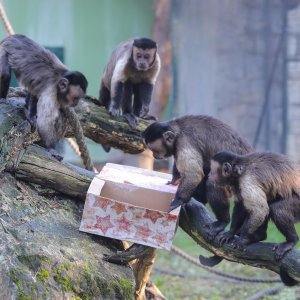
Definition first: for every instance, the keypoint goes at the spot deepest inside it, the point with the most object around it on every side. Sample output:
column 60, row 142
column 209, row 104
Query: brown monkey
column 193, row 140
column 131, row 71
column 51, row 86
column 265, row 185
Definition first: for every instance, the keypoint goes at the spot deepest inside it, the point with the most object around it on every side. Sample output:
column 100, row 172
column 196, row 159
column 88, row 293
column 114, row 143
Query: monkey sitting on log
column 132, row 70
column 193, row 140
column 265, row 186
column 51, row 86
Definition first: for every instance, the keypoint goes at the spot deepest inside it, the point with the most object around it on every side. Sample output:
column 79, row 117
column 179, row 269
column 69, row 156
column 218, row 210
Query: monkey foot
column 131, row 119
column 214, row 229
column 225, row 237
column 55, row 154
column 240, row 243
column 114, row 111
column 282, row 249
column 174, row 204
column 148, row 117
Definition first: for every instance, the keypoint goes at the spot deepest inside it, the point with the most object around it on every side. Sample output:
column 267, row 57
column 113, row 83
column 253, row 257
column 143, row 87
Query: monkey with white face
column 51, row 86
column 131, row 72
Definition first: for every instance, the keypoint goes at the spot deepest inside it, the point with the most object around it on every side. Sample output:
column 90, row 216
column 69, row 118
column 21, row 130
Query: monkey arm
column 175, row 175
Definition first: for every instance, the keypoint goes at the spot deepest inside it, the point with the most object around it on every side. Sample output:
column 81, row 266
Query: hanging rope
column 8, row 28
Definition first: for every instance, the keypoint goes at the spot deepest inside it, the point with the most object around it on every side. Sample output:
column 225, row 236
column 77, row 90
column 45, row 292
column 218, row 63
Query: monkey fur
column 131, row 71
column 193, row 140
column 51, row 86
column 265, row 186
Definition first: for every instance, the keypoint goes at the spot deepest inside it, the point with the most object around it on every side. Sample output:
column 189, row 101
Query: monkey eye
column 138, row 55
column 146, row 56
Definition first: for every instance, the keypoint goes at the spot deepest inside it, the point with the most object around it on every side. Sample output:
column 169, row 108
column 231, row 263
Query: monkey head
column 225, row 169
column 71, row 88
column 143, row 53
column 160, row 139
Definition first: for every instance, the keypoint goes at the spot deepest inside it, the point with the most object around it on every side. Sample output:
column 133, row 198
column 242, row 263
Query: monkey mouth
column 142, row 68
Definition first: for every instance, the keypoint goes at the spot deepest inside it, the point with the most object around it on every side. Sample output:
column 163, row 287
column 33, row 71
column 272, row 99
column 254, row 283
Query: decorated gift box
column 131, row 204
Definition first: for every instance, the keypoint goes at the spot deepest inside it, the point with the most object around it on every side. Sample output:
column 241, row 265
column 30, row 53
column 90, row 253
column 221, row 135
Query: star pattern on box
column 119, row 208
column 142, row 231
column 152, row 215
column 123, row 224
column 103, row 223
column 102, row 202
column 161, row 238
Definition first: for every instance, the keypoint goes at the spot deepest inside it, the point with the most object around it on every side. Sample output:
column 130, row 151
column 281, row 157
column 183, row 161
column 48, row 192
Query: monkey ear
column 63, row 85
column 238, row 170
column 169, row 137
column 226, row 169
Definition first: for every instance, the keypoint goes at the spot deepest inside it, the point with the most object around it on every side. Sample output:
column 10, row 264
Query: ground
column 200, row 284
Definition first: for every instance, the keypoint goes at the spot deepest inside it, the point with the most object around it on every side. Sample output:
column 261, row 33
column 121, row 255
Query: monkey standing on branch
column 131, row 71
column 51, row 86
column 193, row 140
column 265, row 186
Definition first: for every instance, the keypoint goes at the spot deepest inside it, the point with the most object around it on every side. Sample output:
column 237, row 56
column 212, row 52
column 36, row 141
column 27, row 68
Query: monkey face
column 72, row 95
column 159, row 149
column 219, row 174
column 143, row 58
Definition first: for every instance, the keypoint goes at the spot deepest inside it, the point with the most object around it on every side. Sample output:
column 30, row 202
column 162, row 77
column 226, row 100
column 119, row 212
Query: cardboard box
column 131, row 204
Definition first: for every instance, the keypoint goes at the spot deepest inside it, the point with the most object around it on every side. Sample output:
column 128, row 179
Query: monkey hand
column 225, row 237
column 175, row 203
column 281, row 249
column 174, row 181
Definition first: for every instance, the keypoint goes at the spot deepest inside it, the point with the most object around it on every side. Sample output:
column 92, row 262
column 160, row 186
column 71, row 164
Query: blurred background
column 238, row 61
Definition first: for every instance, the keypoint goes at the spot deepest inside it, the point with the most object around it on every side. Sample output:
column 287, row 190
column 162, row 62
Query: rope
column 270, row 291
column 8, row 28
column 82, row 149
column 194, row 261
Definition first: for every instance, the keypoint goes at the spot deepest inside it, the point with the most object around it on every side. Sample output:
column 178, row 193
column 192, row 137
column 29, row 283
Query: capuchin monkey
column 131, row 72
column 265, row 186
column 51, row 86
column 193, row 140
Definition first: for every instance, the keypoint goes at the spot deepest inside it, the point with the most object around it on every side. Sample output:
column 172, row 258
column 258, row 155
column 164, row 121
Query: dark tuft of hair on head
column 144, row 43
column 224, row 156
column 77, row 78
column 154, row 131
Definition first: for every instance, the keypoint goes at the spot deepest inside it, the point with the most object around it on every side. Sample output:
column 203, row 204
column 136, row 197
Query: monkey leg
column 142, row 99
column 31, row 110
column 104, row 96
column 116, row 98
column 5, row 75
column 283, row 218
column 239, row 215
column 217, row 198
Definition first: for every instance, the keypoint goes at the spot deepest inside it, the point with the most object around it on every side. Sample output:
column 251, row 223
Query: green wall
column 87, row 29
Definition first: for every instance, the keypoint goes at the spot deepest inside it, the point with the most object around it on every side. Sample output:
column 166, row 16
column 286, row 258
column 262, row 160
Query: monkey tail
column 79, row 136
column 286, row 278
column 8, row 28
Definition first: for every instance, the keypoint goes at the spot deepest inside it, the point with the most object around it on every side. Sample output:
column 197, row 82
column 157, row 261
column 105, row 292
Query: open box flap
column 132, row 195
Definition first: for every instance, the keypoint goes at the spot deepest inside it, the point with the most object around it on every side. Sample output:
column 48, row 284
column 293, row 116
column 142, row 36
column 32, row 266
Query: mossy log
column 35, row 165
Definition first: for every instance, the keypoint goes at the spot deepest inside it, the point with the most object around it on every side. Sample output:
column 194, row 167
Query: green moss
column 63, row 280
column 33, row 262
column 102, row 285
column 42, row 275
column 123, row 288
column 15, row 277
